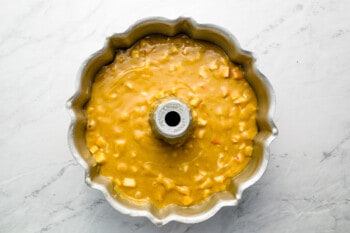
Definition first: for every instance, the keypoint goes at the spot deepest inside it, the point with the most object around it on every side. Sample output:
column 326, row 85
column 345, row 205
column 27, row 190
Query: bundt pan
column 267, row 131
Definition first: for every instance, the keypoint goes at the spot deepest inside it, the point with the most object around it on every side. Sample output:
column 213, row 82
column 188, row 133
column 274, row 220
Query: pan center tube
column 171, row 121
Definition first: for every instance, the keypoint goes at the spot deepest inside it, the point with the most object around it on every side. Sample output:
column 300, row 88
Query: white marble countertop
column 301, row 46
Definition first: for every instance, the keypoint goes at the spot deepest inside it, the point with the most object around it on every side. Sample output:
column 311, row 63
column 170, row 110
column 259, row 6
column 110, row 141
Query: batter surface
column 144, row 169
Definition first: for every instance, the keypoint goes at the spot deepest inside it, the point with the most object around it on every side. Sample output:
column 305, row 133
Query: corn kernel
column 99, row 157
column 206, row 192
column 129, row 85
column 101, row 142
column 235, row 138
column 167, row 182
column 104, row 120
column 134, row 168
column 135, row 54
column 206, row 184
column 138, row 194
column 242, row 126
column 184, row 167
column 194, row 113
column 119, row 145
column 185, row 51
column 240, row 101
column 195, row 102
column 220, row 162
column 93, row 149
column 129, row 182
column 237, row 73
column 133, row 154
column 203, row 72
column 174, row 50
column 219, row 111
column 139, row 134
column 224, row 71
column 160, row 94
column 100, row 109
column 242, row 146
column 113, row 96
column 248, row 150
column 198, row 177
column 117, row 129
column 120, row 142
column 120, row 59
column 183, row 190
column 147, row 167
column 213, row 65
column 201, row 122
column 91, row 124
column 186, row 200
column 224, row 91
column 124, row 116
column 122, row 167
column 219, row 179
column 248, row 111
column 200, row 133
column 144, row 43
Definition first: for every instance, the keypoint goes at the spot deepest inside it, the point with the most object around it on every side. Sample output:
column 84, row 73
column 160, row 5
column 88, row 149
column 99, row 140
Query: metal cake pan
column 267, row 130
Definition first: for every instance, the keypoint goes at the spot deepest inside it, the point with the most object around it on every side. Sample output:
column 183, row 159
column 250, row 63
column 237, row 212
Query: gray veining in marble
column 301, row 46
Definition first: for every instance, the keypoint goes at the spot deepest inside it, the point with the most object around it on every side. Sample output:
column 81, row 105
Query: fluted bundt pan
column 267, row 131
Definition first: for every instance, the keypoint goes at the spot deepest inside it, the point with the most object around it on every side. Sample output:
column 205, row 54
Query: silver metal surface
column 266, row 105
column 171, row 121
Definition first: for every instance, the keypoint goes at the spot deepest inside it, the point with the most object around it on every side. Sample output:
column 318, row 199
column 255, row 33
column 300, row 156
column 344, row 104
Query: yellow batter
column 144, row 169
